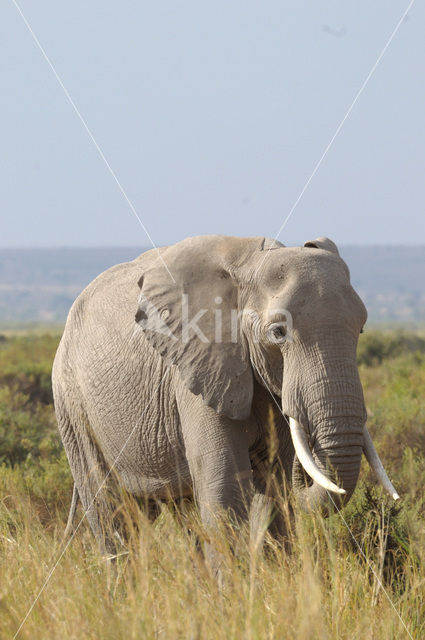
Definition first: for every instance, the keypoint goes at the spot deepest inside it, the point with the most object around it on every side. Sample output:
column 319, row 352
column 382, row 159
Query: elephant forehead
column 304, row 266
column 311, row 284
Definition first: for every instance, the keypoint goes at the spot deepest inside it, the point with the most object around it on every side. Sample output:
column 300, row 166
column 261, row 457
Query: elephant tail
column 73, row 508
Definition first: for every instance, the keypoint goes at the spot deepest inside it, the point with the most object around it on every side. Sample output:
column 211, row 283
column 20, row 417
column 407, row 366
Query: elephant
column 171, row 365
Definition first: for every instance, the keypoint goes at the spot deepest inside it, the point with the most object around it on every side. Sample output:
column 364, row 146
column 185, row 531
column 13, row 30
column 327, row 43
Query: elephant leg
column 217, row 450
column 221, row 487
column 271, row 511
column 267, row 516
column 223, row 491
column 90, row 472
column 260, row 518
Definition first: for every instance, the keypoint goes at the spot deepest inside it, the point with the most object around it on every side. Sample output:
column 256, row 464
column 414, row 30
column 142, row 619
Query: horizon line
column 148, row 248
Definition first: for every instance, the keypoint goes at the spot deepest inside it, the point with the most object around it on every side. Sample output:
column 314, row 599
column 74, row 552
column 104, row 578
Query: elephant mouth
column 308, row 463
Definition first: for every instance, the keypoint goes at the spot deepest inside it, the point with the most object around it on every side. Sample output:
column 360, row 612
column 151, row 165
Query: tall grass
column 323, row 586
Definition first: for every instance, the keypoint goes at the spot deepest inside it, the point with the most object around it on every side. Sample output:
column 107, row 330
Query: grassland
column 328, row 586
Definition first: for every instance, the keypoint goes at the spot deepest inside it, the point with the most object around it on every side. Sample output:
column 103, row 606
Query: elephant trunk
column 324, row 400
column 341, row 462
column 335, row 467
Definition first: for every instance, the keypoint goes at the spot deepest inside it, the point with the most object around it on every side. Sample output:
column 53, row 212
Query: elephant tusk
column 376, row 464
column 299, row 438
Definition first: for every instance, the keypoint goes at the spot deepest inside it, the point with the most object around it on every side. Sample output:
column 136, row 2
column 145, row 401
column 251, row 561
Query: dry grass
column 323, row 588
column 161, row 588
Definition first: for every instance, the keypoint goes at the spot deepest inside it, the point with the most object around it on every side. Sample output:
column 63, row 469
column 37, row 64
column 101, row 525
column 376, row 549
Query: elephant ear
column 192, row 322
column 323, row 243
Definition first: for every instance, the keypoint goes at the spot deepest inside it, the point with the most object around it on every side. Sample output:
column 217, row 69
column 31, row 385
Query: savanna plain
column 357, row 574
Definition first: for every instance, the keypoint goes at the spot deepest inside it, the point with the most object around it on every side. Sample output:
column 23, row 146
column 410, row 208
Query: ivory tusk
column 299, row 438
column 376, row 464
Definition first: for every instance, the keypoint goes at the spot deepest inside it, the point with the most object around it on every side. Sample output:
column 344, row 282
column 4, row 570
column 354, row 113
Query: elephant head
column 244, row 308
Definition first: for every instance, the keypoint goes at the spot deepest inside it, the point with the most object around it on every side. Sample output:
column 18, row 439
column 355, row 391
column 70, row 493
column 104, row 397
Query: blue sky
column 213, row 116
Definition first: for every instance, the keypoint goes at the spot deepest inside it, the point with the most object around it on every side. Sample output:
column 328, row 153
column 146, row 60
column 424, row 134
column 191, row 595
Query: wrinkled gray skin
column 194, row 417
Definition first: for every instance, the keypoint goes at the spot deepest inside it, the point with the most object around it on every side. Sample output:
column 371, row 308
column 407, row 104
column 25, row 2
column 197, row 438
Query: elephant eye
column 277, row 333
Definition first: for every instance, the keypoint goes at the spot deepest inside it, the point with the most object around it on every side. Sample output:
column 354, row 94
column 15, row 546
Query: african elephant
column 171, row 365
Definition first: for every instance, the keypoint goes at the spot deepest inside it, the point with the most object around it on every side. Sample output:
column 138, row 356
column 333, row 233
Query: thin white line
column 49, row 575
column 341, row 124
column 91, row 136
column 369, row 564
column 343, row 519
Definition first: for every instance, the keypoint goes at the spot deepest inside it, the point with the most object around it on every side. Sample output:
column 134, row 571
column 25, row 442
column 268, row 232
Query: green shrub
column 376, row 346
column 26, row 365
column 26, row 430
column 27, row 422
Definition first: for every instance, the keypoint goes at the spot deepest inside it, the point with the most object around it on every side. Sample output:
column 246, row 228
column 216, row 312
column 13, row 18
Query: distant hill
column 390, row 281
column 39, row 285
